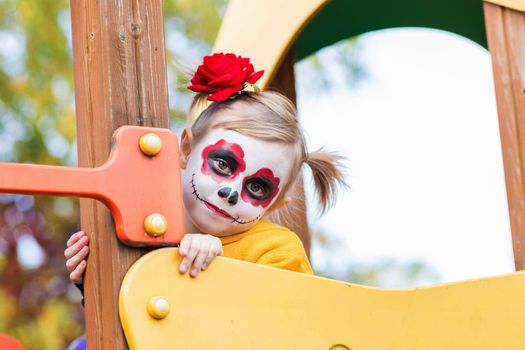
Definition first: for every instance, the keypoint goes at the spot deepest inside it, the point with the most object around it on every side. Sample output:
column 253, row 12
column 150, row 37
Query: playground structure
column 126, row 84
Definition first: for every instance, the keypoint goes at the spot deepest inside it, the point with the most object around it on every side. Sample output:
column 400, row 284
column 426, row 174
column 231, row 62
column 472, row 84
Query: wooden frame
column 506, row 38
column 120, row 78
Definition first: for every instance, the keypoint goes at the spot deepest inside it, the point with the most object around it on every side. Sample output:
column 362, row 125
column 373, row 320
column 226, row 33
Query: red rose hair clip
column 224, row 76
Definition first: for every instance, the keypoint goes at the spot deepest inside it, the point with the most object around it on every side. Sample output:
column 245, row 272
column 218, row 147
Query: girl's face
column 231, row 180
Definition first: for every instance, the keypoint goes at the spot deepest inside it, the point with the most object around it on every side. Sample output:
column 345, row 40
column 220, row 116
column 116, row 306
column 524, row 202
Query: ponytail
column 327, row 175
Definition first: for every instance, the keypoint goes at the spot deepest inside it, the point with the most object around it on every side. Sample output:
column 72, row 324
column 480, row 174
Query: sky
column 424, row 162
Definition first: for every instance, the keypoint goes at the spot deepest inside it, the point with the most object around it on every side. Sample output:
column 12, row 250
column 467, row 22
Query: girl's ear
column 186, row 142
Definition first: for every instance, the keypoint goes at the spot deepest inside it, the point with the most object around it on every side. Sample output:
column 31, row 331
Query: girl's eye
column 221, row 167
column 255, row 188
column 223, row 162
column 258, row 189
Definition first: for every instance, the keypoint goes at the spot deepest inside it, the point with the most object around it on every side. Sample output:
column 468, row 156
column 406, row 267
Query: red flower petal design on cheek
column 266, row 174
column 237, row 153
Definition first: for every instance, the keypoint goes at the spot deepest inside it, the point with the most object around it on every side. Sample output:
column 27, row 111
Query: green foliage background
column 38, row 305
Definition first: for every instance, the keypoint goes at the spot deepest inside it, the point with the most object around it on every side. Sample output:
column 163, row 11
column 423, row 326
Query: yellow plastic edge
column 518, row 5
column 264, row 30
column 238, row 305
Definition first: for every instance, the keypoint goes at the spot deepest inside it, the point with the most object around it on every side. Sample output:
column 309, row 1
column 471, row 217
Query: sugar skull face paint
column 223, row 161
column 259, row 189
column 231, row 180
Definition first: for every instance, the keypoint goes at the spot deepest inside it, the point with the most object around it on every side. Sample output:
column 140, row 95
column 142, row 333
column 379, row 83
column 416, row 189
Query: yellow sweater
column 268, row 244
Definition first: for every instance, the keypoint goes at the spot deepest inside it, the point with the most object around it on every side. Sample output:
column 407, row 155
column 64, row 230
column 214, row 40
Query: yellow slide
column 239, row 305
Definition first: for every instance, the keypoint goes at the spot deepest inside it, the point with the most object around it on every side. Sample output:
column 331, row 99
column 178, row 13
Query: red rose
column 223, row 75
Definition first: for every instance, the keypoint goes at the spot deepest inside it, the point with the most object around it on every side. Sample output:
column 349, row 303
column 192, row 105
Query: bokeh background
column 412, row 109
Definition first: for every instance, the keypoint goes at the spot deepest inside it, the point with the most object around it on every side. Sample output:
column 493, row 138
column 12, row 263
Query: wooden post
column 120, row 78
column 284, row 82
column 506, row 38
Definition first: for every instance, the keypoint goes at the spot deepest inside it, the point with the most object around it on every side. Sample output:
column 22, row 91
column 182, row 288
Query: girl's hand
column 198, row 251
column 76, row 253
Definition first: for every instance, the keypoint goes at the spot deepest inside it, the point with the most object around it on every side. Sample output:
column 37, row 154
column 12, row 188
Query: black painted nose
column 226, row 192
column 233, row 198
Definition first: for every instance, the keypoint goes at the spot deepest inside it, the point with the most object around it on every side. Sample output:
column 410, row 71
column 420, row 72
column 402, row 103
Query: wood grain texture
column 506, row 38
column 120, row 79
column 284, row 82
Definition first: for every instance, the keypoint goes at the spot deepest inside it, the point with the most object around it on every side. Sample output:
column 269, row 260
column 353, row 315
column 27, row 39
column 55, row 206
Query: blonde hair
column 271, row 116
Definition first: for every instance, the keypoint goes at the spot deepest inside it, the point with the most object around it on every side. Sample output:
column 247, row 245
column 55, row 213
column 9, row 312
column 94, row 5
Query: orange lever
column 134, row 185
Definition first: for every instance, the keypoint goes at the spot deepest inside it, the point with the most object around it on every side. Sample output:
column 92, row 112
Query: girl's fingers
column 75, row 237
column 198, row 251
column 184, row 248
column 184, row 245
column 76, row 275
column 199, row 260
column 76, row 247
column 212, row 253
column 209, row 258
column 75, row 260
column 191, row 253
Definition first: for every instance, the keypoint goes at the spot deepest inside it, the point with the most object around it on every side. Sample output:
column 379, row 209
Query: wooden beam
column 120, row 78
column 284, row 82
column 506, row 38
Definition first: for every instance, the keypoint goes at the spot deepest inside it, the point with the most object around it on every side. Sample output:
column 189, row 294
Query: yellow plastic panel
column 264, row 30
column 238, row 305
column 518, row 5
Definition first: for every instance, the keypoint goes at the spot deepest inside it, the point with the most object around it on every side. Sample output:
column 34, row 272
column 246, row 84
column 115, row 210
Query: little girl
column 239, row 160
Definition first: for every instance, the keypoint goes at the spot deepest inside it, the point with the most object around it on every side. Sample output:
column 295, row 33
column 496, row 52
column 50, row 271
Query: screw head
column 155, row 225
column 158, row 307
column 150, row 144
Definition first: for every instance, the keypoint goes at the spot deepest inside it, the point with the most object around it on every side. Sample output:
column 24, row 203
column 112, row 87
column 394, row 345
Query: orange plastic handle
column 9, row 343
column 132, row 184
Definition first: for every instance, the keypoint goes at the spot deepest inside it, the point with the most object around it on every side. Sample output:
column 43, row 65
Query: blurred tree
column 38, row 305
column 333, row 261
column 336, row 67
column 38, row 126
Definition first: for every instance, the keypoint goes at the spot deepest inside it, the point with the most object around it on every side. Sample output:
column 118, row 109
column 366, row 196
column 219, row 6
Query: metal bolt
column 158, row 307
column 150, row 144
column 155, row 225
